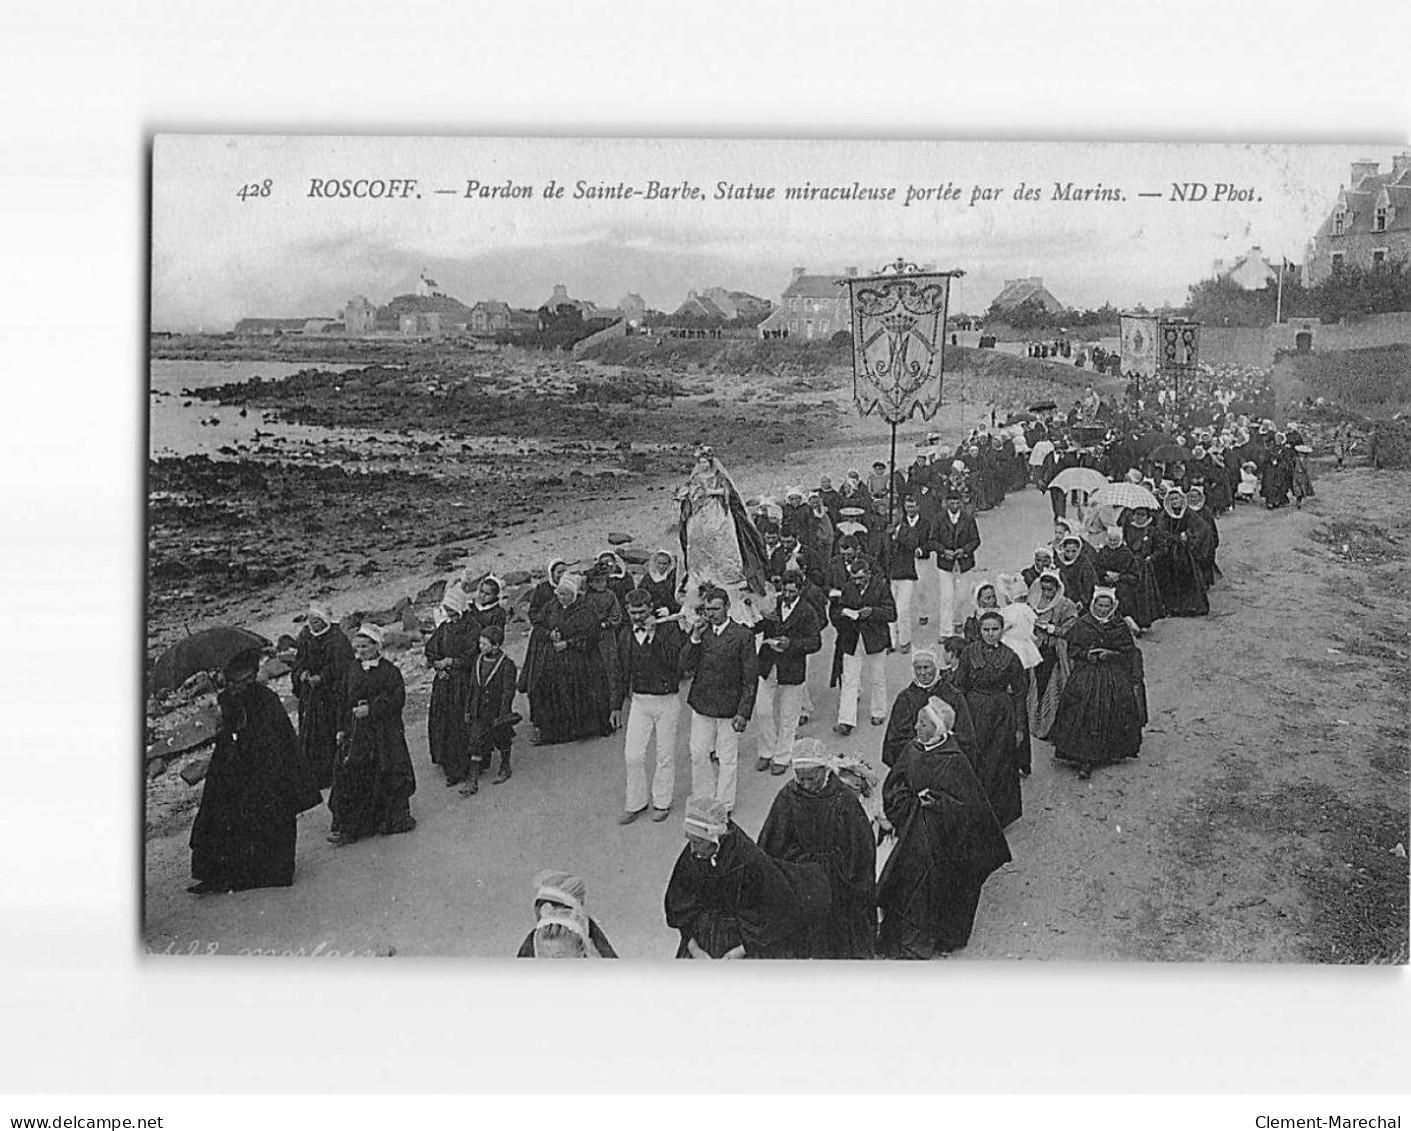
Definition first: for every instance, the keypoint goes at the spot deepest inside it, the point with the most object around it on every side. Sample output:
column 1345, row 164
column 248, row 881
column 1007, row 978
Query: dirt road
column 1261, row 822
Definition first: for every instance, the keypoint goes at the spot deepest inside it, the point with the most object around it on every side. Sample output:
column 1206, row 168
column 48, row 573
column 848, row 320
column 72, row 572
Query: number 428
column 255, row 189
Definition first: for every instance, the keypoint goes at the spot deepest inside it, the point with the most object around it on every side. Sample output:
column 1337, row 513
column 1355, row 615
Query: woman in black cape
column 996, row 690
column 817, row 821
column 1181, row 540
column 1119, row 569
column 374, row 780
column 258, row 783
column 541, row 604
column 1140, row 536
column 572, row 682
column 726, row 897
column 949, row 843
column 323, row 656
column 1205, row 548
column 451, row 650
column 1099, row 716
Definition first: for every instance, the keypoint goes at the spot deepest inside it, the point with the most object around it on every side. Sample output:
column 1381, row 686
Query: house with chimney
column 489, row 317
column 699, row 307
column 720, row 305
column 811, row 307
column 1370, row 222
column 1032, row 289
column 1250, row 271
column 633, row 307
column 589, row 310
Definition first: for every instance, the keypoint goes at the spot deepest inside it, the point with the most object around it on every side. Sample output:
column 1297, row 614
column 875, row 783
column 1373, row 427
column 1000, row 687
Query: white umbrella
column 1082, row 479
column 1125, row 494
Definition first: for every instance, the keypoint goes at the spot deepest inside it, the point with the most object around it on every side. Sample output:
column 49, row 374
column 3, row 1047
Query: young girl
column 1249, row 483
column 1302, row 480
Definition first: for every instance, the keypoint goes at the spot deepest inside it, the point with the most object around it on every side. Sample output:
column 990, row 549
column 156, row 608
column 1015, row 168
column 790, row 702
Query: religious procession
column 762, row 629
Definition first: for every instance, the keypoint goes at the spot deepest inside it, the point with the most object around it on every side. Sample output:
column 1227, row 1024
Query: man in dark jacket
column 649, row 674
column 955, row 536
column 841, row 566
column 769, row 532
column 791, row 554
column 788, row 637
column 863, row 614
column 721, row 656
column 819, row 532
column 908, row 544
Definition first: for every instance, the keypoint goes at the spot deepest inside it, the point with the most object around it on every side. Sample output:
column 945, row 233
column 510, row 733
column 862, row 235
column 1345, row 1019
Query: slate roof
column 815, row 286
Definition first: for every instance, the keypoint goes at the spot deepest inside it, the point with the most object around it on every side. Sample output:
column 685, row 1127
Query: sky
column 288, row 250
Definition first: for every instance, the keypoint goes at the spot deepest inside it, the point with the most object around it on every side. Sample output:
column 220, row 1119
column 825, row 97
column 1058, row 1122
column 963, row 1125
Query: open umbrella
column 1043, row 406
column 1124, row 494
column 205, row 651
column 1169, row 452
column 1083, row 479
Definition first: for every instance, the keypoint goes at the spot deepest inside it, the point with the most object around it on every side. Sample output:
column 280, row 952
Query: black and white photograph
column 701, row 549
column 914, row 492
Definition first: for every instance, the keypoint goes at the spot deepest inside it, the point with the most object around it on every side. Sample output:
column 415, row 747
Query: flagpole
column 1279, row 304
column 892, row 477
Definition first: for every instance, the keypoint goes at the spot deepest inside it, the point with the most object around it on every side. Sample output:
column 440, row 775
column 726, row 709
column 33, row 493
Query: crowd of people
column 723, row 632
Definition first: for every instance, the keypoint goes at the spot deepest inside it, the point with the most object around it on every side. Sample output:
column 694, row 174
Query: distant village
column 1368, row 226
column 811, row 306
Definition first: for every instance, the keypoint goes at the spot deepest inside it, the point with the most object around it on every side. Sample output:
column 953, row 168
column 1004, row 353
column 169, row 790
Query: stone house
column 1023, row 290
column 1370, row 223
column 490, row 316
column 1249, row 271
column 811, row 307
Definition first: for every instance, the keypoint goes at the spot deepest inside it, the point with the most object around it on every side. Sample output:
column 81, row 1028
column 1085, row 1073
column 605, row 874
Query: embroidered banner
column 1180, row 345
column 899, row 340
column 1139, row 334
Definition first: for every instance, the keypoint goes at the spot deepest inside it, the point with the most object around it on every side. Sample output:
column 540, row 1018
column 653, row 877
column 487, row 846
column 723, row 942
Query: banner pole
column 892, row 477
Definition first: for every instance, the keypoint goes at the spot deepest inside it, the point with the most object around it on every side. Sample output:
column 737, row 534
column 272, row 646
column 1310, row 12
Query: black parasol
column 206, row 651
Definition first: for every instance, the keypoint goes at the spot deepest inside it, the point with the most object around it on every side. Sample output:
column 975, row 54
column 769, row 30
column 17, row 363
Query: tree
column 1352, row 292
column 1030, row 314
column 1223, row 302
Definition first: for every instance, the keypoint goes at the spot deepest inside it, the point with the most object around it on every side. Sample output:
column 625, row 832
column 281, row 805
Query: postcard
column 708, row 549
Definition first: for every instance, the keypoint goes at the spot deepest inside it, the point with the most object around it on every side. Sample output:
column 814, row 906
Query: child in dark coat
column 489, row 708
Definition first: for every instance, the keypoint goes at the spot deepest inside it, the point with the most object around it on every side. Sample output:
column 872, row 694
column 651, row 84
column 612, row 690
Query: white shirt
column 720, row 628
column 785, row 612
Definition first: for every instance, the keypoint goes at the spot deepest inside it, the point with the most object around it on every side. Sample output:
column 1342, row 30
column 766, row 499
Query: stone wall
column 1231, row 345
column 617, row 330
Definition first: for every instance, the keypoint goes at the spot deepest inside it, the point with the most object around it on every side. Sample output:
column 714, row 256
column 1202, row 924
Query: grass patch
column 1378, row 377
column 1339, row 855
column 1356, row 541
